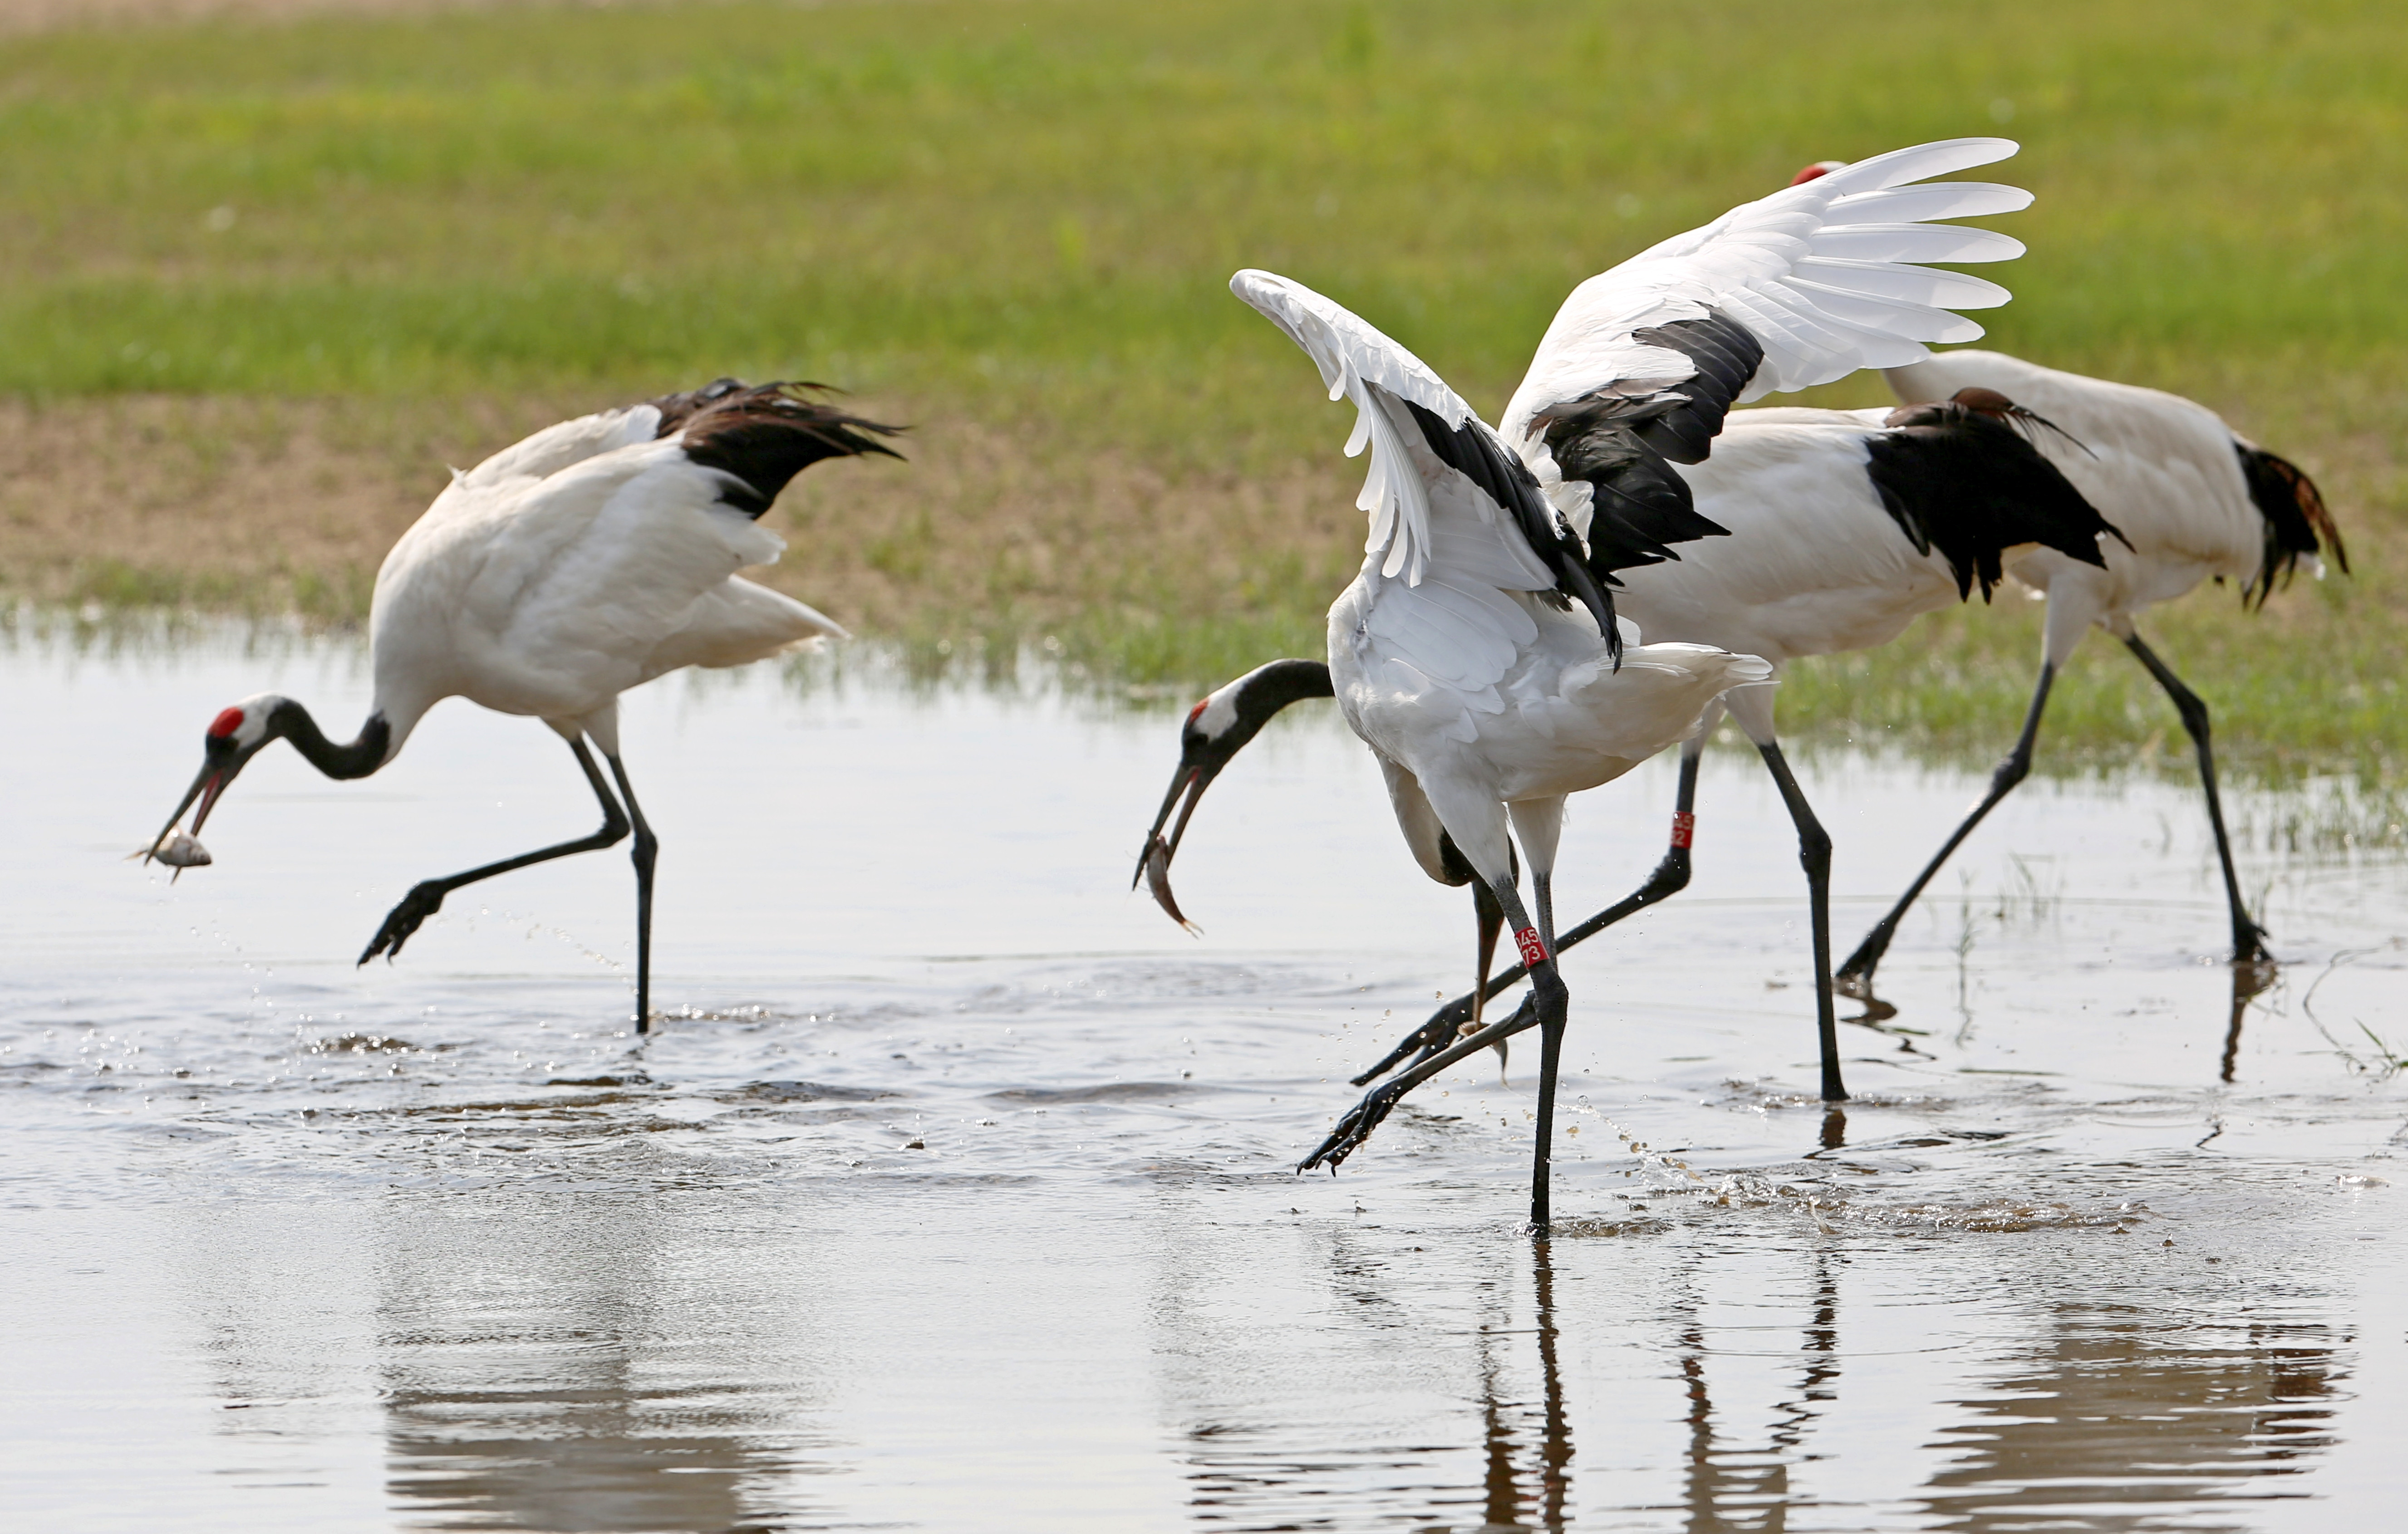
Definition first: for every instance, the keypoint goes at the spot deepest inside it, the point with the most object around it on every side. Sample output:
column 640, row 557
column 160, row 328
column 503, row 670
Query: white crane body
column 2193, row 502
column 559, row 573
column 2165, row 469
column 594, row 557
column 1477, row 652
column 1814, row 564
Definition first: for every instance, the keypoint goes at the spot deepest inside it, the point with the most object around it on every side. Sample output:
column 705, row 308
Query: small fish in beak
column 176, row 850
column 1157, row 882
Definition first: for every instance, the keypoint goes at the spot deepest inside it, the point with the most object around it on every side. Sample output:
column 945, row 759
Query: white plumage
column 2193, row 501
column 1455, row 654
column 588, row 559
column 1815, row 273
column 1473, row 693
column 1813, row 564
column 1813, row 560
column 2166, row 470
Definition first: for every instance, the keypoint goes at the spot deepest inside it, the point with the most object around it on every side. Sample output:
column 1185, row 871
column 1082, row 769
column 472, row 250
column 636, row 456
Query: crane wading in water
column 2195, row 501
column 1842, row 527
column 1458, row 654
column 593, row 557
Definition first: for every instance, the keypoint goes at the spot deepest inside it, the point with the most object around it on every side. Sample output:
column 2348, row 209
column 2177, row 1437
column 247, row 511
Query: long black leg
column 426, row 897
column 1855, row 977
column 647, row 848
column 1814, row 852
column 1545, row 1007
column 1670, row 877
column 1551, row 1056
column 2248, row 937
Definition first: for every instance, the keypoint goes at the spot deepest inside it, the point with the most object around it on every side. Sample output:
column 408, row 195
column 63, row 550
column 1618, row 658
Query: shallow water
column 291, row 1245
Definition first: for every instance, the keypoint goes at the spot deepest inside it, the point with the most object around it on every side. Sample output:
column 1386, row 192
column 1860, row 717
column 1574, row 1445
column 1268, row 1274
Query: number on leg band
column 1685, row 827
column 1533, row 953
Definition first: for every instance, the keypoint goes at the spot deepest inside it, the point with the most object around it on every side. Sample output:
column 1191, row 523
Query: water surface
column 287, row 1244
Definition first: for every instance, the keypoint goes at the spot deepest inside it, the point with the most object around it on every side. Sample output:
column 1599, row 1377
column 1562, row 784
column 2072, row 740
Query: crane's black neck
column 357, row 759
column 1267, row 689
column 1251, row 702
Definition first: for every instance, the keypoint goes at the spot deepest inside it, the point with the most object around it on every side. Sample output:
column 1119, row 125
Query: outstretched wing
column 1423, row 439
column 1805, row 286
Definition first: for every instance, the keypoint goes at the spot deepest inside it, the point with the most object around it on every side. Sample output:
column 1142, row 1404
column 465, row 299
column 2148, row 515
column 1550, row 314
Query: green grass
column 1022, row 216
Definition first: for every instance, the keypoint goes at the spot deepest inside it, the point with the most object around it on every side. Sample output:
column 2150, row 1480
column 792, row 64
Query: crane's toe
column 1355, row 1128
column 422, row 902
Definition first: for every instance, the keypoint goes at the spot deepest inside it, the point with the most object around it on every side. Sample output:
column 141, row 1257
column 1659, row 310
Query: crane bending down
column 594, row 557
column 1458, row 657
column 2194, row 500
column 1842, row 527
column 1456, row 654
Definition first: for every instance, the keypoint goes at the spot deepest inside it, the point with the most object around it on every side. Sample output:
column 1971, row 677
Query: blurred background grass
column 263, row 279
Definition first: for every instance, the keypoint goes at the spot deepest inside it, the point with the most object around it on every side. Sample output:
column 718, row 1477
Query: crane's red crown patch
column 225, row 723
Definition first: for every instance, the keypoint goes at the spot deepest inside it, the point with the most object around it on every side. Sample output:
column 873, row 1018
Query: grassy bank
column 262, row 281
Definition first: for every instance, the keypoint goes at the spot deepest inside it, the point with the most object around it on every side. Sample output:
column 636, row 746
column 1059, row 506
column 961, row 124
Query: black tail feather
column 764, row 434
column 1963, row 481
column 2296, row 520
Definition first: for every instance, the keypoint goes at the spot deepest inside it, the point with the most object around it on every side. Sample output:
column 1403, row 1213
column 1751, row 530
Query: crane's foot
column 1368, row 1115
column 1355, row 1128
column 422, row 902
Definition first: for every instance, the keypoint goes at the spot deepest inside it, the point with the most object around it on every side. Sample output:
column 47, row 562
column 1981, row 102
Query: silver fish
column 178, row 852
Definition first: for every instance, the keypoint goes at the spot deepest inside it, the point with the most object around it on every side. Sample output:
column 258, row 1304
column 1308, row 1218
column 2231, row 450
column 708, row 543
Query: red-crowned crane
column 2194, row 501
column 1842, row 527
column 593, row 557
column 1457, row 654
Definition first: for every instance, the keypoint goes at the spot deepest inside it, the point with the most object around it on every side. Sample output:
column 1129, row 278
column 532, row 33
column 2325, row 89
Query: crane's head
column 234, row 737
column 1819, row 169
column 1216, row 730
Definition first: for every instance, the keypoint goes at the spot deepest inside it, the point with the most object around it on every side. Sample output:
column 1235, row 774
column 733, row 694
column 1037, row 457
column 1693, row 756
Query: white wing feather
column 1819, row 273
column 1359, row 363
column 556, row 447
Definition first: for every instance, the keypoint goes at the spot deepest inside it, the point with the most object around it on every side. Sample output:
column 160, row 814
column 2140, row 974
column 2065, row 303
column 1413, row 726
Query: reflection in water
column 2104, row 1422
column 1505, row 1422
column 1556, row 1452
column 2249, row 980
column 548, row 1370
column 2094, row 1418
column 509, row 1277
column 1727, row 1487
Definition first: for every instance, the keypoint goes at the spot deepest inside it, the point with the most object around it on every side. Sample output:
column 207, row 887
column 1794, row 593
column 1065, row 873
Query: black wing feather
column 1966, row 482
column 1472, row 450
column 1625, row 445
column 764, row 435
column 1726, row 355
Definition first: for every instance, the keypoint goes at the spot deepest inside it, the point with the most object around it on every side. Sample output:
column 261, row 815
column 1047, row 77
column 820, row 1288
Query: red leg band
column 1685, row 827
column 1533, row 953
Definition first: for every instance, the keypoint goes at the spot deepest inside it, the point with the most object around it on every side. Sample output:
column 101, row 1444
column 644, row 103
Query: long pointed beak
column 206, row 788
column 1153, row 863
